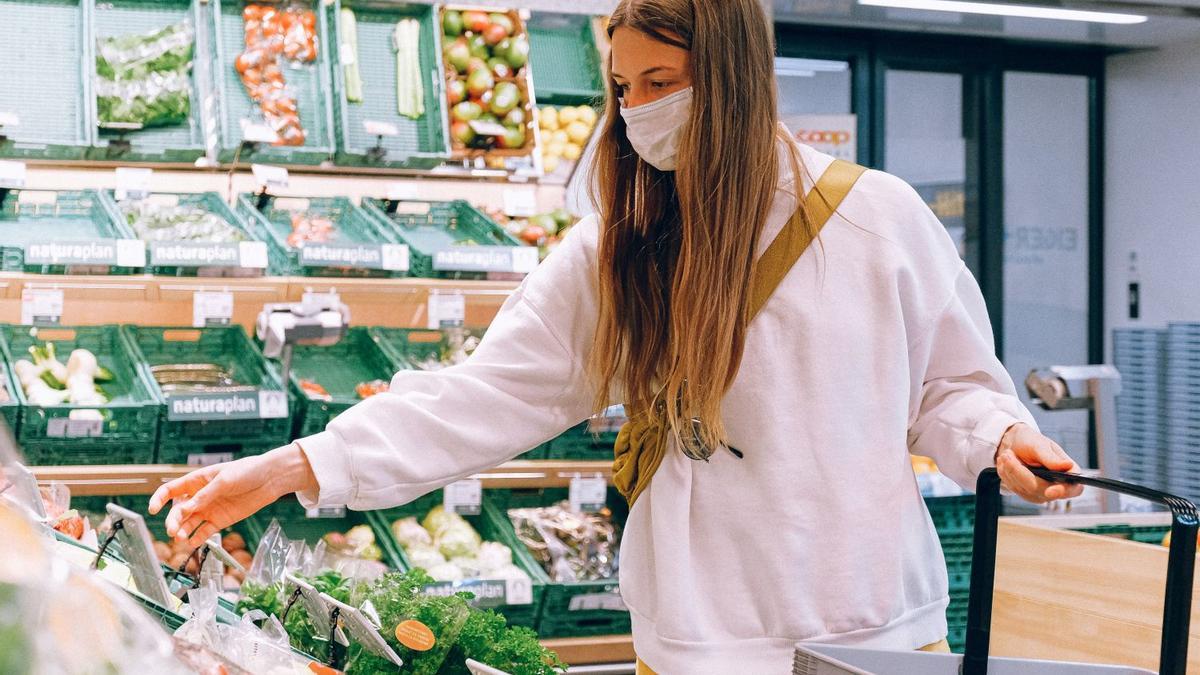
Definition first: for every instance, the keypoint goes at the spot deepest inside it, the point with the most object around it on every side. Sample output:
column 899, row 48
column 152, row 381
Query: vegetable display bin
column 421, row 143
column 339, row 368
column 247, row 416
column 571, row 609
column 67, row 231
column 176, row 143
column 123, row 430
column 200, row 256
column 491, row 524
column 10, row 406
column 567, row 68
column 452, row 240
column 308, row 84
column 44, row 104
column 299, row 523
column 358, row 246
column 584, row 442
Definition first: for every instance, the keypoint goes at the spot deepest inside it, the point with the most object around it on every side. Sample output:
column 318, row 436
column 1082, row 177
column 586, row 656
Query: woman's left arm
column 965, row 413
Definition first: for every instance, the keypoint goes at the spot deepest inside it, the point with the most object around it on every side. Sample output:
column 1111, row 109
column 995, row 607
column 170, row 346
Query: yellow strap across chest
column 642, row 442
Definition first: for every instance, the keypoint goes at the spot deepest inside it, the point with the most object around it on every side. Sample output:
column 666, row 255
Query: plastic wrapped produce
column 570, row 546
column 157, row 222
column 145, row 80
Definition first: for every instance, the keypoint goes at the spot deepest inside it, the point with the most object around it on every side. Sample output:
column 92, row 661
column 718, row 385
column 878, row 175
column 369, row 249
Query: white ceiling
column 1170, row 21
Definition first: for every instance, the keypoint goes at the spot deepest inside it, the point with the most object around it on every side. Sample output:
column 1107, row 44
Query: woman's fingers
column 183, row 486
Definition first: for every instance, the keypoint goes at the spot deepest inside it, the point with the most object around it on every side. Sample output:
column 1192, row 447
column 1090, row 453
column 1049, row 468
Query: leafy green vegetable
column 145, row 79
column 487, row 638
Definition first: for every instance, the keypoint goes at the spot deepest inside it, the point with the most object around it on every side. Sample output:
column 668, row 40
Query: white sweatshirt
column 877, row 343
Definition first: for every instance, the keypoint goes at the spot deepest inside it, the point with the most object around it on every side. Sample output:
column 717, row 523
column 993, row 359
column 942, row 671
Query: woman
column 803, row 521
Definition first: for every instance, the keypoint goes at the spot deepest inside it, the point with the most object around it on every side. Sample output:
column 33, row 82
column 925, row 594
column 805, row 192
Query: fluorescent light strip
column 993, row 9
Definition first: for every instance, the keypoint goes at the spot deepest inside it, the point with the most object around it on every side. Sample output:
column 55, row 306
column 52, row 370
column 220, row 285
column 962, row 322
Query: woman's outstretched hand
column 210, row 499
column 1023, row 446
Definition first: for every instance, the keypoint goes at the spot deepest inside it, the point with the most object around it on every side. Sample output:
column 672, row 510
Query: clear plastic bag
column 145, row 80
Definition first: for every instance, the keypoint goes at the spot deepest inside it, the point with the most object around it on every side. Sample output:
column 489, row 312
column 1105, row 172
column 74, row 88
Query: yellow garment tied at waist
column 642, row 442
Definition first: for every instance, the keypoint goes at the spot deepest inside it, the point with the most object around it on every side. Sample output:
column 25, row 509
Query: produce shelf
column 420, row 143
column 566, row 62
column 58, row 231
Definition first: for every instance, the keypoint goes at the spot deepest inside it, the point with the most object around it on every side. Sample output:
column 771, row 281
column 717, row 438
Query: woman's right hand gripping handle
column 215, row 497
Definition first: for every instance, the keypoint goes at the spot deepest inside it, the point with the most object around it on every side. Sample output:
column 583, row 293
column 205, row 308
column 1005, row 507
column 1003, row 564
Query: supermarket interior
column 271, row 235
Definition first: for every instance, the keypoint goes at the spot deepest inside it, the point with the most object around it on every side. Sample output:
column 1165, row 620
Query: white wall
column 1152, row 185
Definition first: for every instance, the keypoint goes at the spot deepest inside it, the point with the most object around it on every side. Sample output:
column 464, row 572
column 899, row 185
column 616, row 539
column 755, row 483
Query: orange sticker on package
column 415, row 635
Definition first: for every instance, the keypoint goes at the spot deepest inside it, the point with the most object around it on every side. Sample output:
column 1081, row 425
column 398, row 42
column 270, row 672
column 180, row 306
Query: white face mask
column 653, row 129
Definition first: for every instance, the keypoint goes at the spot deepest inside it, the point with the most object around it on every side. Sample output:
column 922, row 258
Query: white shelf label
column 37, row 198
column 131, row 253
column 313, row 297
column 588, row 495
column 212, row 308
column 588, row 601
column 272, row 404
column 12, row 174
column 464, row 497
column 41, row 305
column 518, row 591
column 520, row 203
column 63, row 427
column 446, row 308
column 133, row 183
column 395, row 257
column 326, row 512
column 209, row 458
column 524, row 259
column 9, row 119
column 258, row 133
column 270, row 177
column 400, row 192
column 252, row 254
column 377, row 128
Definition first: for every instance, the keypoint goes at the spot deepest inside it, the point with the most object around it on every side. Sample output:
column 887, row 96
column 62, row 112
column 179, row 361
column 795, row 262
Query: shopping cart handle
column 1181, row 566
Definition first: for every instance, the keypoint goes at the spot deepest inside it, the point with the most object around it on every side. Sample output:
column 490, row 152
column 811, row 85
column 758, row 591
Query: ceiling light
column 994, row 9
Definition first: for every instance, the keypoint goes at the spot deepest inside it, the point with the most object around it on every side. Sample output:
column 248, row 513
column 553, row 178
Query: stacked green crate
column 592, row 440
column 954, row 520
column 339, row 369
column 174, row 143
column 492, row 525
column 309, row 84
column 124, row 430
column 357, row 246
column 45, row 112
column 566, row 63
column 420, row 143
column 570, row 609
column 451, row 240
column 247, row 417
column 66, row 231
column 176, row 254
column 10, row 405
column 408, row 348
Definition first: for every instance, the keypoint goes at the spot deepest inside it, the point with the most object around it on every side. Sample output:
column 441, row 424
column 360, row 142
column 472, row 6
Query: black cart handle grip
column 1181, row 565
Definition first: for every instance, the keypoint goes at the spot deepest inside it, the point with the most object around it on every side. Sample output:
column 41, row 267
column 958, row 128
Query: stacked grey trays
column 1182, row 397
column 1140, row 356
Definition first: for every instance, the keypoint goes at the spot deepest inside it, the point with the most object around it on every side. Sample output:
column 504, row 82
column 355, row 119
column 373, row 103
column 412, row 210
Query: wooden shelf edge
column 593, row 650
column 144, row 479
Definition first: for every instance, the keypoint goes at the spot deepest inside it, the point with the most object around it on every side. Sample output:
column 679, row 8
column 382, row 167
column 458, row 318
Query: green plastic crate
column 956, row 622
column 1145, row 534
column 491, row 526
column 10, row 409
column 361, row 235
column 566, row 63
column 45, row 49
column 35, row 218
column 309, row 85
column 208, row 452
column 212, row 203
column 430, row 227
column 179, row 143
column 297, row 525
column 339, row 368
column 230, row 348
column 957, row 549
column 580, row 442
column 421, row 143
column 131, row 417
column 952, row 515
column 561, row 614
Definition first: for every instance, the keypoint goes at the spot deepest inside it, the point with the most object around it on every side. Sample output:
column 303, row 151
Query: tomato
column 309, row 19
column 251, row 13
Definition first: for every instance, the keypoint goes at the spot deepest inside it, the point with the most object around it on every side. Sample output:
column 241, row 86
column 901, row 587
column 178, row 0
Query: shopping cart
column 818, row 659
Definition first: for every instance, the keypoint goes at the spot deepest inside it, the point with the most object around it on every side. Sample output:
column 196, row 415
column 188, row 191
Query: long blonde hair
column 677, row 250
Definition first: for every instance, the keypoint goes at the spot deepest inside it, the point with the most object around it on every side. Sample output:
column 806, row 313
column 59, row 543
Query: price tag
column 270, row 177
column 464, row 497
column 589, row 601
column 41, row 305
column 131, row 253
column 258, row 133
column 9, row 119
column 212, row 308
column 293, row 204
column 524, row 259
column 82, row 427
column 488, row 128
column 319, row 298
column 209, row 458
column 400, row 192
column 518, row 591
column 395, row 257
column 376, row 128
column 12, row 174
column 448, row 309
column 520, row 203
column 326, row 512
column 588, row 495
column 272, row 405
column 37, row 198
column 133, row 183
column 252, row 254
